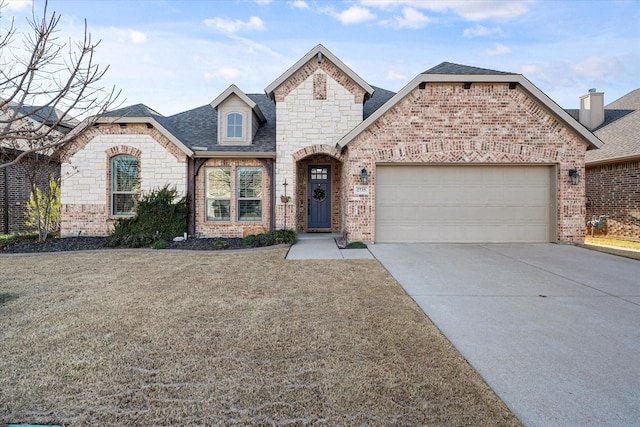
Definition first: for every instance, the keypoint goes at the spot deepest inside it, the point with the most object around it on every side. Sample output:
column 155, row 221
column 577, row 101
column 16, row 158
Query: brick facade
column 15, row 191
column 613, row 190
column 445, row 123
column 233, row 227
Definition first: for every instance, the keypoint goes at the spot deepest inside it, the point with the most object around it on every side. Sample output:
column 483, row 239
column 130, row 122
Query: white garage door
column 465, row 203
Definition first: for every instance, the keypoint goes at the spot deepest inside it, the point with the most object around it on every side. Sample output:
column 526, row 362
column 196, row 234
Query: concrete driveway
column 553, row 329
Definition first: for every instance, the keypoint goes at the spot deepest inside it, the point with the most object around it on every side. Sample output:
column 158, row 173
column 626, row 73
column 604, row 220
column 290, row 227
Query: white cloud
column 481, row 31
column 227, row 73
column 478, row 10
column 391, row 75
column 299, row 4
column 499, row 49
column 263, row 2
column 230, row 26
column 130, row 36
column 17, row 5
column 354, row 15
column 411, row 18
column 596, row 67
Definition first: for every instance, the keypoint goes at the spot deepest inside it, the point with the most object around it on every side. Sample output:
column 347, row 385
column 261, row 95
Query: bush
column 9, row 240
column 160, row 244
column 220, row 244
column 277, row 237
column 160, row 215
column 356, row 245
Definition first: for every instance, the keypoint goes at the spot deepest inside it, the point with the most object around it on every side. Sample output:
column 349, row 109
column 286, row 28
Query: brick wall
column 444, row 123
column 86, row 173
column 614, row 190
column 233, row 227
column 15, row 194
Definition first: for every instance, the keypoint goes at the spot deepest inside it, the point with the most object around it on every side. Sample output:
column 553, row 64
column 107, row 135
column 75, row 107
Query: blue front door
column 319, row 197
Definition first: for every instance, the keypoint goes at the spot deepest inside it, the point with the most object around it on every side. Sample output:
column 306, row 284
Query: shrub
column 356, row 245
column 277, row 237
column 160, row 244
column 220, row 244
column 160, row 215
column 9, row 240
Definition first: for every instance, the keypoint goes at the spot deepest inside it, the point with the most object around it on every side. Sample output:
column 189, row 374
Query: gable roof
column 456, row 73
column 234, row 90
column 318, row 52
column 620, row 131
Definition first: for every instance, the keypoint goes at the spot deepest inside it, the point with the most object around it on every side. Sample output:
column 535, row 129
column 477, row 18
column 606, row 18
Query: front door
column 319, row 197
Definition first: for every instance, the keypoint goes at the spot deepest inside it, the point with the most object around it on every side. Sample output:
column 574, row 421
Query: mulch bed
column 91, row 243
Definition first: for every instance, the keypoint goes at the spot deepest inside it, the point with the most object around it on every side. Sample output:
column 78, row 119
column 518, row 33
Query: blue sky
column 178, row 55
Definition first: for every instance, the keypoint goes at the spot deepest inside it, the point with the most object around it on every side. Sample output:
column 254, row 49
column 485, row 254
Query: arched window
column 234, row 125
column 124, row 185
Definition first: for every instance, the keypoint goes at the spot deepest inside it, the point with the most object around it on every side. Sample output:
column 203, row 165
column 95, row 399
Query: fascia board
column 234, row 155
column 151, row 121
column 308, row 57
column 235, row 90
column 592, row 141
column 620, row 159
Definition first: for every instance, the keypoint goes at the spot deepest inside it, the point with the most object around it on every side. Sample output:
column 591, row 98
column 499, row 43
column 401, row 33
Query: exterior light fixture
column 364, row 176
column 575, row 177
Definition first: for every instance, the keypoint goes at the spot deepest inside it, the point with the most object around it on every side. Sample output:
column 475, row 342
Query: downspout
column 273, row 195
column 191, row 196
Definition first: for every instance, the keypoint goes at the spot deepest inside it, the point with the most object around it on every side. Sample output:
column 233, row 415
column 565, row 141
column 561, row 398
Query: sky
column 177, row 55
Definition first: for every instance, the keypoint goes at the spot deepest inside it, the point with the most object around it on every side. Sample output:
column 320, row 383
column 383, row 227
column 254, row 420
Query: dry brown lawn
column 191, row 338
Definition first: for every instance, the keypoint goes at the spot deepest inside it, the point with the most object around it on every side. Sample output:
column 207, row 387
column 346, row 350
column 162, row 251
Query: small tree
column 43, row 209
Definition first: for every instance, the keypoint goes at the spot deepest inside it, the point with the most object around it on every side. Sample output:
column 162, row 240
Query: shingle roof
column 377, row 100
column 451, row 68
column 620, row 132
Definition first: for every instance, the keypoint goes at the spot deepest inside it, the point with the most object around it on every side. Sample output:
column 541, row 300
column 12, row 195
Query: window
column 124, row 185
column 218, row 188
column 249, row 194
column 234, row 125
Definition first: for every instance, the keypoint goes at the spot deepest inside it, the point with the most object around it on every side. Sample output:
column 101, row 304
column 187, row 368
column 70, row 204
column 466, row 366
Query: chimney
column 592, row 109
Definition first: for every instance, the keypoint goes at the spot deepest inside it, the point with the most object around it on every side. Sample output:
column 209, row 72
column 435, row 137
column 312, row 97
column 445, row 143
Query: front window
column 218, row 191
column 234, row 125
column 249, row 194
column 124, row 185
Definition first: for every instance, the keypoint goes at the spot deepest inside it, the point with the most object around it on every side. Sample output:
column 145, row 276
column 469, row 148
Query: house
column 461, row 154
column 15, row 180
column 613, row 171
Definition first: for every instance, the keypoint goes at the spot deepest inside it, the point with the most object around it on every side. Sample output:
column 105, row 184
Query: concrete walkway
column 323, row 246
column 553, row 329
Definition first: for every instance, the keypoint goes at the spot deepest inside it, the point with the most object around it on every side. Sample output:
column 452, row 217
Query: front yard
column 245, row 338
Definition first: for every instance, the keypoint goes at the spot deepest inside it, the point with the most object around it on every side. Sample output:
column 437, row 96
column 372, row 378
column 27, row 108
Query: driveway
column 553, row 329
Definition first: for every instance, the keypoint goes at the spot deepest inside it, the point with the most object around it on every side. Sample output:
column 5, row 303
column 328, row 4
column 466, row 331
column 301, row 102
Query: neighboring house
column 613, row 171
column 461, row 154
column 15, row 187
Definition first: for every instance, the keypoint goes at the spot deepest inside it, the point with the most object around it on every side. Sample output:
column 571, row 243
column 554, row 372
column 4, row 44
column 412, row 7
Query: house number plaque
column 361, row 190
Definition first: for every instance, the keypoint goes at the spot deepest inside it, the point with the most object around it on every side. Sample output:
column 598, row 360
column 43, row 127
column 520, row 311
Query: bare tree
column 44, row 85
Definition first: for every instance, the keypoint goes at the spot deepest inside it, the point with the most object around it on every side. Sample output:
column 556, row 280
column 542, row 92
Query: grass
column 157, row 338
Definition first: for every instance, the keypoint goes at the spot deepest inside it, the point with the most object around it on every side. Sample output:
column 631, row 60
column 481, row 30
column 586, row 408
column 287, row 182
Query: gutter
column 234, row 155
column 628, row 158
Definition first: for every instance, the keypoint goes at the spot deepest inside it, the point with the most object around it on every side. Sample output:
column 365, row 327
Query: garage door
column 465, row 203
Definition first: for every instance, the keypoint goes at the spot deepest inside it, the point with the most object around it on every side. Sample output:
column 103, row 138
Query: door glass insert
column 319, row 173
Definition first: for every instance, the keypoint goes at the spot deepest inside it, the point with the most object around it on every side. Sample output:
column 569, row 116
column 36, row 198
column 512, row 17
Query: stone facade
column 86, row 174
column 233, row 227
column 613, row 191
column 443, row 123
column 315, row 107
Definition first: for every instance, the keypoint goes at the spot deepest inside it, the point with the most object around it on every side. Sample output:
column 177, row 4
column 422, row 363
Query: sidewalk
column 323, row 246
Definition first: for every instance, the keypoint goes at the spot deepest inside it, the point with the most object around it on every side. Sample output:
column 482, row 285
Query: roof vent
column 592, row 90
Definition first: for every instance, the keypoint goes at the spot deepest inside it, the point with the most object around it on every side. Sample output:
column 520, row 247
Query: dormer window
column 235, row 126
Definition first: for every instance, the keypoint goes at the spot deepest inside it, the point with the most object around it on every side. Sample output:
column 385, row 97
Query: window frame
column 212, row 198
column 113, row 191
column 240, row 198
column 241, row 117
